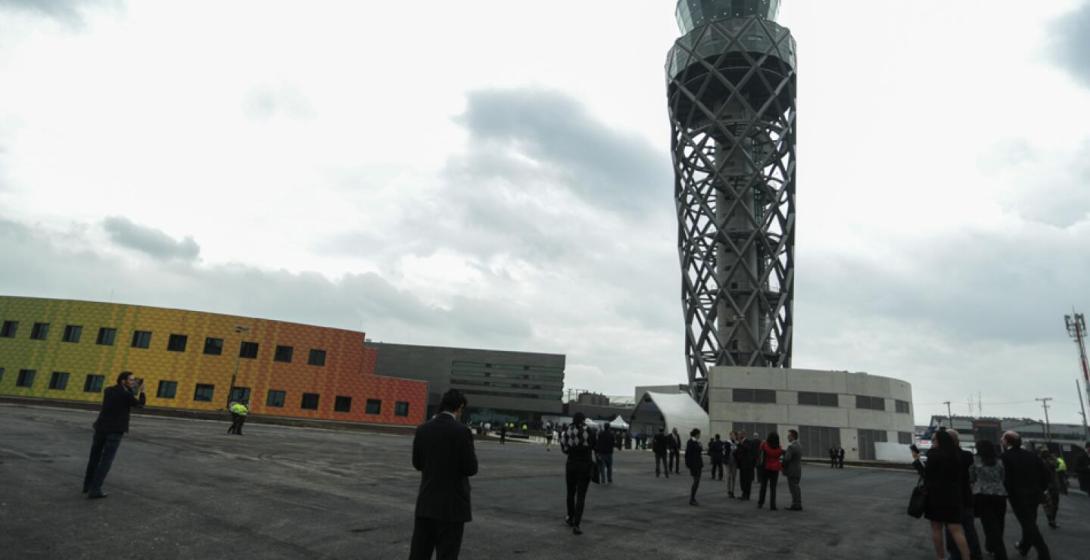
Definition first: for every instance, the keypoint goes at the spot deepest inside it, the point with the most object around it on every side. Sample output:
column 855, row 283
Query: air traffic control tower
column 731, row 88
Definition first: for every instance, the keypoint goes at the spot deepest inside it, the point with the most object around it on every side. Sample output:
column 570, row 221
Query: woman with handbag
column 990, row 501
column 577, row 442
column 769, row 468
column 944, row 500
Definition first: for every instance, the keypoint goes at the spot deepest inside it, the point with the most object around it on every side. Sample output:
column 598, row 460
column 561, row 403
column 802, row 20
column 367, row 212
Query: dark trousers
column 237, row 420
column 432, row 535
column 745, row 481
column 605, row 467
column 968, row 525
column 717, row 466
column 993, row 511
column 696, row 482
column 675, row 460
column 768, row 480
column 578, row 479
column 660, row 458
column 103, row 449
column 796, row 490
column 1031, row 535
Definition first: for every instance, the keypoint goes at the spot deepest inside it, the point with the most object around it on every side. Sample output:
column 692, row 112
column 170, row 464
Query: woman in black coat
column 942, row 482
column 694, row 459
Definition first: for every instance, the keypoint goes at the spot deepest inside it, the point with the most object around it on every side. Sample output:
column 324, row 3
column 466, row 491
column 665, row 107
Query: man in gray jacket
column 792, row 469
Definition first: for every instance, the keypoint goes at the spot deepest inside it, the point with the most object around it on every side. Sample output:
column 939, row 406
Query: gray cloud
column 69, row 12
column 1042, row 186
column 150, row 241
column 1071, row 42
column 267, row 102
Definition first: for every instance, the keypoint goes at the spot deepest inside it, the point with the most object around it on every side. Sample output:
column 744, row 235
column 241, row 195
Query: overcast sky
column 497, row 174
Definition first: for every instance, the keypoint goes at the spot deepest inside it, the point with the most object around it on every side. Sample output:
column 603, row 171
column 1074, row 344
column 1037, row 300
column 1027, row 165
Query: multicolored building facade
column 72, row 350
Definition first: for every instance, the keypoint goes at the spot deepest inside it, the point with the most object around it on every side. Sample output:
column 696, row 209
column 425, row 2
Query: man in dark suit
column 658, row 446
column 746, row 457
column 443, row 453
column 674, row 445
column 112, row 424
column 1026, row 481
column 715, row 452
column 604, row 450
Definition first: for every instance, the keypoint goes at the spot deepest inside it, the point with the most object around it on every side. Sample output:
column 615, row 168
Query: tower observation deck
column 731, row 90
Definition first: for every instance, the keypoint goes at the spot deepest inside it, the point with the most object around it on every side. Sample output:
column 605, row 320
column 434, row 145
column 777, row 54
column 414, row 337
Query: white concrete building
column 828, row 408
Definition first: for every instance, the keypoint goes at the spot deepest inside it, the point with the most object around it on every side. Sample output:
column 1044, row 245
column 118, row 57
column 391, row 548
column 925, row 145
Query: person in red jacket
column 771, row 466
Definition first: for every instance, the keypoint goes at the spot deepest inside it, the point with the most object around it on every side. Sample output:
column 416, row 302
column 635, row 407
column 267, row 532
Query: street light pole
column 949, row 415
column 1085, row 428
column 239, row 329
column 1048, row 427
column 1076, row 328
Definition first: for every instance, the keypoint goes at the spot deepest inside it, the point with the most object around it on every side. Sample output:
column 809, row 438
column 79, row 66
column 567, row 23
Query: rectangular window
column 870, row 403
column 59, row 381
column 167, row 389
column 93, row 383
column 177, row 342
column 310, row 401
column 904, row 438
column 240, row 394
column 1, row 374
column 72, row 333
column 401, row 408
column 317, row 357
column 248, row 350
column 283, row 354
column 141, row 339
column 213, row 346
column 374, row 406
column 40, row 331
column 342, row 404
column 819, row 399
column 902, row 406
column 8, row 329
column 276, row 398
column 26, row 378
column 204, row 392
column 106, row 336
column 749, row 428
column 755, row 395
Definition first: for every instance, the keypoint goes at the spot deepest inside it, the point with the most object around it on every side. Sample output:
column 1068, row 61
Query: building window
column 819, row 399
column 755, row 395
column 239, row 394
column 342, row 404
column 1, row 374
column 141, row 339
column 749, row 428
column 310, row 401
column 59, row 381
column 870, row 403
column 72, row 333
column 40, row 331
column 204, row 392
column 167, row 389
column 401, row 408
column 8, row 329
column 106, row 336
column 177, row 343
column 283, row 354
column 904, row 438
column 818, row 440
column 213, row 346
column 93, row 383
column 374, row 406
column 275, row 398
column 902, row 406
column 26, row 378
column 317, row 357
column 248, row 350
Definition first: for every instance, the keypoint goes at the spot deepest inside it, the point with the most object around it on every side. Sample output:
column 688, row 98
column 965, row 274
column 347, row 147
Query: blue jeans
column 103, row 450
column 605, row 467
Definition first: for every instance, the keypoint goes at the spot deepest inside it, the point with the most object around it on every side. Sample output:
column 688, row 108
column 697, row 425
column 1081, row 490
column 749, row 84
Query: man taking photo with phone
column 110, row 427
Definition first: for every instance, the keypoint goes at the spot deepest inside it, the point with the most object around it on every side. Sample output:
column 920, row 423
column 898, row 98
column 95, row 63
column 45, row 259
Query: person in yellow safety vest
column 1061, row 470
column 238, row 417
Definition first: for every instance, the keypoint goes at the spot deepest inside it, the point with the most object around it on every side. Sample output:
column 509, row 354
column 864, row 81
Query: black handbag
column 918, row 501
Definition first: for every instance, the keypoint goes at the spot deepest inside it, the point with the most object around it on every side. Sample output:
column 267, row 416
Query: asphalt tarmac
column 182, row 488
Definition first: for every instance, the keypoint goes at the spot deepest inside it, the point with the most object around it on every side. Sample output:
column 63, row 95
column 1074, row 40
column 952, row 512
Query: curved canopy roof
column 664, row 410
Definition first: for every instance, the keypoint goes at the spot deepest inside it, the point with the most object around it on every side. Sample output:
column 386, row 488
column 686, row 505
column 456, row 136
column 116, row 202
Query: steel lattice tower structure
column 731, row 90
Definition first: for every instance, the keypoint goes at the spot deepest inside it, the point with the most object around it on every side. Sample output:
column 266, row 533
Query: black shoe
column 96, row 495
column 567, row 520
column 772, row 508
column 576, row 530
column 795, row 508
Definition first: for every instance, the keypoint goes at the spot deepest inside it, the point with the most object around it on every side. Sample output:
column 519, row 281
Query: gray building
column 501, row 386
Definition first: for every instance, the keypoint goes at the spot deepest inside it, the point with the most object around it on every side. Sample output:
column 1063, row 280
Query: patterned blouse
column 988, row 480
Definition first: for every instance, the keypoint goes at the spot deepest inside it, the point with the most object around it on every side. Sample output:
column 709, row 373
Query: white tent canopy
column 618, row 423
column 669, row 411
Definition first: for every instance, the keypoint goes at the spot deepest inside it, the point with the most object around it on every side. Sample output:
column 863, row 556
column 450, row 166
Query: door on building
column 816, row 441
column 867, row 439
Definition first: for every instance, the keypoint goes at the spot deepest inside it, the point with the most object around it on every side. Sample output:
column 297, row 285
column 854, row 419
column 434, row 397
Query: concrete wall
column 786, row 413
